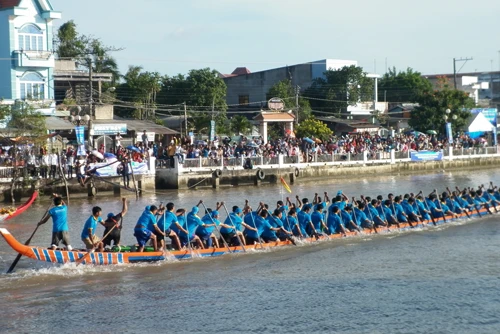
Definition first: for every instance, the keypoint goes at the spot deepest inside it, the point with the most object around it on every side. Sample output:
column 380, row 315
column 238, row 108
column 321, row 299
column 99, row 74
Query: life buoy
column 296, row 172
column 260, row 174
column 217, row 173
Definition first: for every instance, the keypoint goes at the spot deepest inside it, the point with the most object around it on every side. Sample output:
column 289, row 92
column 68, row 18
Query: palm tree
column 240, row 124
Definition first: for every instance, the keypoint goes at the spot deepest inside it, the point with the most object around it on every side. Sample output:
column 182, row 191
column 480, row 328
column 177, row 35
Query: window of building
column 243, row 100
column 32, row 87
column 30, row 38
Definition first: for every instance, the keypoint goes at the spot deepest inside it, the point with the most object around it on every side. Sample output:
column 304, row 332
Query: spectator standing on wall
column 145, row 139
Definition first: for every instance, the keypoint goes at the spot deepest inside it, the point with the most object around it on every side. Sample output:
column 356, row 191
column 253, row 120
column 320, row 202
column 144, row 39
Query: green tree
column 339, row 89
column 140, row 88
column 287, row 92
column 313, row 128
column 203, row 91
column 240, row 125
column 401, row 86
column 87, row 51
column 433, row 104
column 68, row 42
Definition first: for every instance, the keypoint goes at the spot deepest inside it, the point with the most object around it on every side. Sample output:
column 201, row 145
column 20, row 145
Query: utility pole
column 455, row 69
column 91, row 102
column 297, row 90
column 185, row 119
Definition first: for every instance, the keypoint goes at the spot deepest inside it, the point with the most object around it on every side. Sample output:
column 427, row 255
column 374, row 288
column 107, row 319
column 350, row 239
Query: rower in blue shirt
column 192, row 224
column 205, row 231
column 305, row 220
column 317, row 219
column 398, row 211
column 60, row 231
column 360, row 216
column 141, row 231
column 231, row 230
column 257, row 222
column 273, row 226
column 424, row 213
column 293, row 223
column 346, row 216
column 167, row 219
column 334, row 222
column 391, row 219
column 372, row 207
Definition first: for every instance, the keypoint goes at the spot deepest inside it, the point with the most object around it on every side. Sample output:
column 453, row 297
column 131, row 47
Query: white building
column 26, row 39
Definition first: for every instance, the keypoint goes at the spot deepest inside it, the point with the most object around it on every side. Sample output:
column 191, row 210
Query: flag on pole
column 285, row 185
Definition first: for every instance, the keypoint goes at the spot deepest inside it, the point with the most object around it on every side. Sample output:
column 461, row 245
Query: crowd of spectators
column 355, row 143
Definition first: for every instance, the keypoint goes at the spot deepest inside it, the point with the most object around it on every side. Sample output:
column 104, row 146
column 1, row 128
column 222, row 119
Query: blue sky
column 174, row 36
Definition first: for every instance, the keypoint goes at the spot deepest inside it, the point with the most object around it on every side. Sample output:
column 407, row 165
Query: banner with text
column 426, row 156
column 80, row 138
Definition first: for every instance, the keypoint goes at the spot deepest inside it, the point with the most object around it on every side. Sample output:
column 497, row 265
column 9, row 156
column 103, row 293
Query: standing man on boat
column 141, row 231
column 59, row 214
column 89, row 238
column 113, row 226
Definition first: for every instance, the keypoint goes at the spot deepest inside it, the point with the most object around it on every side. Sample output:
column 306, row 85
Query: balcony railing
column 34, row 58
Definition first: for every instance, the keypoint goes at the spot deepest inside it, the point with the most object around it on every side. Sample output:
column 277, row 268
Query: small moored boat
column 20, row 209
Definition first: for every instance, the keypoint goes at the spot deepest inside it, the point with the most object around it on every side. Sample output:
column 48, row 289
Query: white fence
column 283, row 161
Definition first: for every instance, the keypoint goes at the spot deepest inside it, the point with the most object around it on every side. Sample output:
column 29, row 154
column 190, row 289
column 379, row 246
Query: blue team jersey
column 360, row 216
column 145, row 220
column 167, row 220
column 345, row 217
column 333, row 223
column 267, row 231
column 304, row 219
column 59, row 216
column 232, row 220
column 291, row 224
column 205, row 230
column 259, row 223
column 316, row 219
column 407, row 207
column 193, row 222
column 90, row 223
column 422, row 210
column 399, row 212
column 340, row 205
column 182, row 221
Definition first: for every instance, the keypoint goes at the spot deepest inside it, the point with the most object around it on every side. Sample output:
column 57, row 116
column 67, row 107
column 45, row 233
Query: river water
column 442, row 279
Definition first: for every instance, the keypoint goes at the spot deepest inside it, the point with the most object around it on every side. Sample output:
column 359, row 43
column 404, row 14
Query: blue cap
column 339, row 193
column 195, row 210
column 238, row 210
column 214, row 213
column 148, row 207
column 111, row 214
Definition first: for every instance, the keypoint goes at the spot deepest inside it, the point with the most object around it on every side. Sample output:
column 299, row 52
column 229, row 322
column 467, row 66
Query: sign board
column 109, row 129
column 212, row 130
column 426, row 156
column 276, row 104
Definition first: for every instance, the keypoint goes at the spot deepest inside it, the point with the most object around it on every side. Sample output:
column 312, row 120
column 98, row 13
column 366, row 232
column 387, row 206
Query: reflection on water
column 430, row 280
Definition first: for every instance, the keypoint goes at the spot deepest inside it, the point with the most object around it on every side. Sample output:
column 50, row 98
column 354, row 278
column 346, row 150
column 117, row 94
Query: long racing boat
column 120, row 256
column 9, row 214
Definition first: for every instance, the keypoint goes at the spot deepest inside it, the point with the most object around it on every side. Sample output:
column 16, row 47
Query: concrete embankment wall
column 105, row 187
column 168, row 179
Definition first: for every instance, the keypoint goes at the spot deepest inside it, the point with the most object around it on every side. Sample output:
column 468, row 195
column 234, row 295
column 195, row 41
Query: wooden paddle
column 18, row 257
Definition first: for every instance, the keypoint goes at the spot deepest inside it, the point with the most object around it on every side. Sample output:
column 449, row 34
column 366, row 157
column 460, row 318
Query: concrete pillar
column 393, row 157
column 365, row 155
column 152, row 165
column 263, row 131
column 177, row 166
column 215, row 182
column 200, row 162
column 450, row 152
column 289, row 126
column 280, row 160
